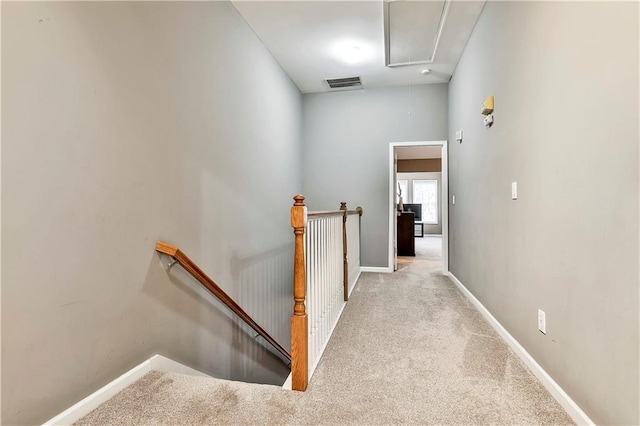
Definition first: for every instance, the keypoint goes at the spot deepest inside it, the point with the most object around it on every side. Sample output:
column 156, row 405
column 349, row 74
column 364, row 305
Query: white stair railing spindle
column 337, row 263
column 317, row 287
column 319, row 242
column 308, row 260
column 353, row 244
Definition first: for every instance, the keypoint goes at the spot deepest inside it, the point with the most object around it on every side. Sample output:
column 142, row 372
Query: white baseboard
column 377, row 269
column 287, row 383
column 554, row 389
column 91, row 402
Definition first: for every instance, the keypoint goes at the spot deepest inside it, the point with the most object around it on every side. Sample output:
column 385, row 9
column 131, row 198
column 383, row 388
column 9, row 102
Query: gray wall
column 124, row 123
column 565, row 80
column 346, row 150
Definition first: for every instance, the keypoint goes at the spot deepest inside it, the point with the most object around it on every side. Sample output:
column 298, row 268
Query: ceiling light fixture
column 426, row 71
column 351, row 52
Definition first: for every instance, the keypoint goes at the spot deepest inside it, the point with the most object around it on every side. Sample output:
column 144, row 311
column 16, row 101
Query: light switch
column 514, row 190
column 453, row 199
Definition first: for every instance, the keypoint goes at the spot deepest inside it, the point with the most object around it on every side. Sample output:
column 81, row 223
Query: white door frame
column 444, row 200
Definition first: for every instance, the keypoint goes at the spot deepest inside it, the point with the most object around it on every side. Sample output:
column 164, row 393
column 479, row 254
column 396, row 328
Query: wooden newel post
column 299, row 333
column 345, row 273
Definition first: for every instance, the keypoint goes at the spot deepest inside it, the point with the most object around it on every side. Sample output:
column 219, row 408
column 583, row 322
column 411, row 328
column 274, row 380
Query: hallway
column 409, row 348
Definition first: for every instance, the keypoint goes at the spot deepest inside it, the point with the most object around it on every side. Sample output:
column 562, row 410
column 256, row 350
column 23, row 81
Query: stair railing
column 352, row 240
column 323, row 280
column 183, row 260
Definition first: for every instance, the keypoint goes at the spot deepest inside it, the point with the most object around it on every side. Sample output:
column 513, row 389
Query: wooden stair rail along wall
column 210, row 285
column 299, row 321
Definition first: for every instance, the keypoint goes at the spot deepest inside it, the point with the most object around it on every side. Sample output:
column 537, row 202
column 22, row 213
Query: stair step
column 183, row 399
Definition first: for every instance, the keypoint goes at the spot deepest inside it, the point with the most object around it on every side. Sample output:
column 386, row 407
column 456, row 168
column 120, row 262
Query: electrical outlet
column 542, row 321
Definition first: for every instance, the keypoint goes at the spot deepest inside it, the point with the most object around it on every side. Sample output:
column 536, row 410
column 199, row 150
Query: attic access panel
column 412, row 31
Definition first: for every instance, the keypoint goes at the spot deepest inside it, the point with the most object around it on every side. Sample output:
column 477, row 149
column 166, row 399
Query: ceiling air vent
column 343, row 83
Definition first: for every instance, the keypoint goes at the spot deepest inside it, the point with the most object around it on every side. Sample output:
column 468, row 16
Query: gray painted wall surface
column 346, row 150
column 124, row 123
column 565, row 80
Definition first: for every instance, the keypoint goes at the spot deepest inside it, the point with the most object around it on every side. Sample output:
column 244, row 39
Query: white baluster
column 325, row 275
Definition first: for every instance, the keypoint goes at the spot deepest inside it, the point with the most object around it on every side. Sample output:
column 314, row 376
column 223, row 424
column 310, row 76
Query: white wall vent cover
column 344, row 83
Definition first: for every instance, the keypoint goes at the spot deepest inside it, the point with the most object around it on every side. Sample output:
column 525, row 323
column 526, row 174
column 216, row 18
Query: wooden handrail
column 210, row 285
column 325, row 213
column 340, row 212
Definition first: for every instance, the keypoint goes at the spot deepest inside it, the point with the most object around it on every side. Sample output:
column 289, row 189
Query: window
column 404, row 187
column 425, row 192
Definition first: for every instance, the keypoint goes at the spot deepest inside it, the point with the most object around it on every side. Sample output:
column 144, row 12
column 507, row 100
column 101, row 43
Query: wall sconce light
column 487, row 109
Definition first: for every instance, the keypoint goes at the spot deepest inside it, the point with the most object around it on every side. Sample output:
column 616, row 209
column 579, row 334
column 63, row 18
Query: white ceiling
column 418, row 152
column 309, row 40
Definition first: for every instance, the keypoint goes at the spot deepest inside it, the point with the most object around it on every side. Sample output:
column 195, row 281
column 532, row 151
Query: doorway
column 419, row 185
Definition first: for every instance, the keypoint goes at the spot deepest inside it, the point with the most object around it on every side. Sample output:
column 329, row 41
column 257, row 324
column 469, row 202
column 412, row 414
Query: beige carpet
column 409, row 349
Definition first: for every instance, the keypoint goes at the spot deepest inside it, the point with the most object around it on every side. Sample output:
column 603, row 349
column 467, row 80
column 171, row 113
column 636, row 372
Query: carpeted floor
column 409, row 349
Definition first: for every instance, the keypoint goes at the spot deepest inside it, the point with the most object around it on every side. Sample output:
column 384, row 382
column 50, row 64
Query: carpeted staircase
column 172, row 399
column 409, row 349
